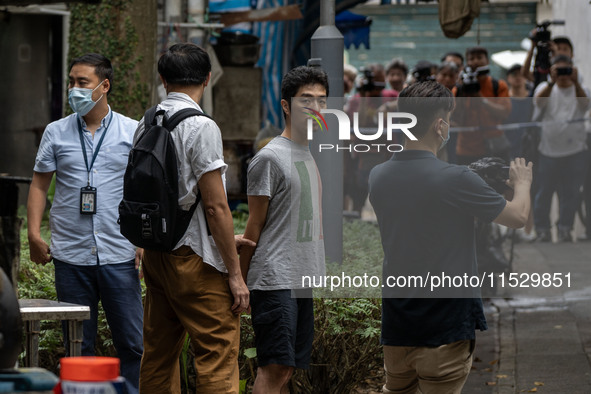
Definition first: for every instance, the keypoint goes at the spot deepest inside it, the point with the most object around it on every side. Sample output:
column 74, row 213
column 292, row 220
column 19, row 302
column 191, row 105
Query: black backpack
column 149, row 214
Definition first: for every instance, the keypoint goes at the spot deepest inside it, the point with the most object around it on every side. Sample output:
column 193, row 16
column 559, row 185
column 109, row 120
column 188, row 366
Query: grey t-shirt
column 291, row 243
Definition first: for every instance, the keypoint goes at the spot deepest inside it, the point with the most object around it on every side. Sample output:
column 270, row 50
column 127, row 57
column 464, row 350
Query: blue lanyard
column 98, row 147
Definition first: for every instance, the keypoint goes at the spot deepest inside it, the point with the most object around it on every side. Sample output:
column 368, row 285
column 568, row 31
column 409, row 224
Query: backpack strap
column 179, row 116
column 150, row 119
column 495, row 83
column 170, row 124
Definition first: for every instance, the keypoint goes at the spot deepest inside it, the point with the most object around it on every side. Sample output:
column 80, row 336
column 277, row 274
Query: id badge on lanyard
column 88, row 200
column 88, row 193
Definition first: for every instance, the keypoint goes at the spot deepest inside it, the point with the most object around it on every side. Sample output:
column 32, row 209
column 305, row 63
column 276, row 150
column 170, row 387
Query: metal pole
column 327, row 12
column 327, row 48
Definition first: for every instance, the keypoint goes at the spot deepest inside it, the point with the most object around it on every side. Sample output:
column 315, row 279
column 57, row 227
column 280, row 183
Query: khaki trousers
column 427, row 370
column 185, row 295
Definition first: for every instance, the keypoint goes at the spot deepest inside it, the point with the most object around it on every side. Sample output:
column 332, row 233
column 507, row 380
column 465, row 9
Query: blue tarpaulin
column 354, row 28
column 285, row 45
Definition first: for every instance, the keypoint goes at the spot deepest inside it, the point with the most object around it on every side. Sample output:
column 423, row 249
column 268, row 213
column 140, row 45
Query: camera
column 367, row 82
column 541, row 34
column 505, row 171
column 469, row 79
column 541, row 37
column 494, row 171
column 564, row 71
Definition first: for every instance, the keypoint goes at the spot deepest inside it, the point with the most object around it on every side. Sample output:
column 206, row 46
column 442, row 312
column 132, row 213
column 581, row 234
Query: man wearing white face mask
column 425, row 209
column 87, row 151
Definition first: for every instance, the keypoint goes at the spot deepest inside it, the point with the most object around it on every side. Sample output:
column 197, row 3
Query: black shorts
column 283, row 328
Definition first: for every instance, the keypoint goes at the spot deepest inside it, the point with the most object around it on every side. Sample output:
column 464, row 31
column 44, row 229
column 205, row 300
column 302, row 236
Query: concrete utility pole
column 327, row 49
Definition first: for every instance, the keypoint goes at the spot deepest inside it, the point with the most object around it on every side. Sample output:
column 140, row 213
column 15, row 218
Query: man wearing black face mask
column 425, row 209
column 87, row 151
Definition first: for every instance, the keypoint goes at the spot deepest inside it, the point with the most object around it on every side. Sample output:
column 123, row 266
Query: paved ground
column 539, row 339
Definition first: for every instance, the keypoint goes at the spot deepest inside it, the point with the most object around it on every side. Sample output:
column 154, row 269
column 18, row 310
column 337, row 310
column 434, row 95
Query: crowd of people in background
column 201, row 285
column 532, row 112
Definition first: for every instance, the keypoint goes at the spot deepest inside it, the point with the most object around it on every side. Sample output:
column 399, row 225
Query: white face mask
column 444, row 142
column 80, row 99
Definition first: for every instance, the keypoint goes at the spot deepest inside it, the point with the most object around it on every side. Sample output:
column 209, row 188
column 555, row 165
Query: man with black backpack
column 196, row 285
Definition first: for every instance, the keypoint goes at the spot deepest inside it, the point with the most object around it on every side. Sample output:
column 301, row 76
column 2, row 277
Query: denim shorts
column 283, row 328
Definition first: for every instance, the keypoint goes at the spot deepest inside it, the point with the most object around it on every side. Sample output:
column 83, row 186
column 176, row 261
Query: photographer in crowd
column 428, row 342
column 476, row 82
column 562, row 150
column 396, row 73
column 447, row 74
column 454, row 57
column 372, row 97
column 545, row 48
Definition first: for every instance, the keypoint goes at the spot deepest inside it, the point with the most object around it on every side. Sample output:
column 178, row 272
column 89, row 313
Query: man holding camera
column 428, row 337
column 477, row 82
column 540, row 38
column 562, row 149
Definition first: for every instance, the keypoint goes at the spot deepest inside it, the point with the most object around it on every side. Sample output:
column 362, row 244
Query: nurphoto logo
column 392, row 120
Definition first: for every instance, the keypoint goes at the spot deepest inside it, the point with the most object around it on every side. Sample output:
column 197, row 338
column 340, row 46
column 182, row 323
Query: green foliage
column 37, row 281
column 106, row 29
column 362, row 259
column 242, row 387
column 240, row 217
column 51, row 190
column 251, row 352
column 184, row 362
column 362, row 248
column 247, row 353
column 346, row 347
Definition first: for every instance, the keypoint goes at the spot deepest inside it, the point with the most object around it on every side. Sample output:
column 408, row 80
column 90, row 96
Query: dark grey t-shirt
column 291, row 243
column 426, row 210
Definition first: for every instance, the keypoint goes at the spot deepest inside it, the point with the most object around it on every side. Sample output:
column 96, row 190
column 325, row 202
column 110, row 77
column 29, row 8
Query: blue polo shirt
column 426, row 210
column 85, row 239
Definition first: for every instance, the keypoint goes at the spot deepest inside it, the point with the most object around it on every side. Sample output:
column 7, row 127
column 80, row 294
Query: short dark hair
column 563, row 40
column 561, row 59
column 184, row 64
column 426, row 100
column 514, row 68
column 102, row 66
column 477, row 50
column 399, row 64
column 448, row 66
column 301, row 76
column 456, row 54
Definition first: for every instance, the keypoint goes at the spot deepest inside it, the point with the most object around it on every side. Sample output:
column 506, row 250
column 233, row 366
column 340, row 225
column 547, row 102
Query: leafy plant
column 247, row 354
column 38, row 281
column 240, row 217
column 118, row 40
column 346, row 347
